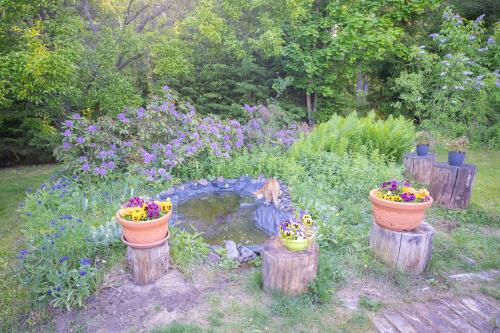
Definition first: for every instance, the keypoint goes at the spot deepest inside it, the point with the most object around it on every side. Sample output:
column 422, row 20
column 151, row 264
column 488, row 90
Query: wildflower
column 29, row 214
column 467, row 73
column 166, row 88
column 85, row 262
column 434, row 35
column 443, row 40
column 82, row 273
column 491, row 40
column 497, row 83
column 483, row 49
column 127, row 143
column 121, row 117
column 446, row 63
column 472, row 37
column 69, row 123
column 140, row 112
column 67, row 133
column 480, row 18
column 80, row 140
column 91, row 129
column 448, row 56
column 63, row 259
column 76, row 116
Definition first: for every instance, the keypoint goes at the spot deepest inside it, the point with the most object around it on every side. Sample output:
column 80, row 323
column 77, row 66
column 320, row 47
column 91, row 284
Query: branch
column 86, row 11
column 157, row 12
column 130, row 19
column 120, row 64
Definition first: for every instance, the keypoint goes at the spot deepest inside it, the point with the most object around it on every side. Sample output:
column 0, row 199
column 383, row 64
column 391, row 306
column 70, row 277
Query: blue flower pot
column 422, row 150
column 456, row 158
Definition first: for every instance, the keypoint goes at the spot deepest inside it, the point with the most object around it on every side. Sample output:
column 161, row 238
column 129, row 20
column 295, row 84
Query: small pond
column 221, row 216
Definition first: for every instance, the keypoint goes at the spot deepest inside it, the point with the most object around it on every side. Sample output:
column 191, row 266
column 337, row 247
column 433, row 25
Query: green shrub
column 187, row 249
column 391, row 137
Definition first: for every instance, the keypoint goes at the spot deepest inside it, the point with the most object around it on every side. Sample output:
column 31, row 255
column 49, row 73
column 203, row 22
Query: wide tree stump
column 419, row 168
column 451, row 186
column 147, row 265
column 288, row 271
column 407, row 250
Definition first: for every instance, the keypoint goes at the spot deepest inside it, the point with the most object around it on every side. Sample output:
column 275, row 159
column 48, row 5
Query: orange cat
column 270, row 191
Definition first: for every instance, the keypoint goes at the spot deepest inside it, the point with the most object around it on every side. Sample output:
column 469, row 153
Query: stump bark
column 407, row 250
column 451, row 186
column 288, row 271
column 147, row 265
column 419, row 168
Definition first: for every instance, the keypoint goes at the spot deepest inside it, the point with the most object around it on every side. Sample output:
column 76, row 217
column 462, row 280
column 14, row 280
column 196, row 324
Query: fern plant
column 391, row 137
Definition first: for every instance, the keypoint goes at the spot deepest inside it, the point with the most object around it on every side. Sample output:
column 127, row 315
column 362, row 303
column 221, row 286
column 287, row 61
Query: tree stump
column 451, row 186
column 419, row 168
column 147, row 265
column 288, row 271
column 407, row 250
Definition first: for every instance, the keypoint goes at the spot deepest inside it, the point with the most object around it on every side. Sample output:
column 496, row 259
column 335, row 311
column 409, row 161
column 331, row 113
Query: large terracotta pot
column 145, row 232
column 398, row 216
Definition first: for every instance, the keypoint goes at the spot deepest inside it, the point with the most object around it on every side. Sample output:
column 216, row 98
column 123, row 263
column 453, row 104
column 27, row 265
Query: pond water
column 221, row 216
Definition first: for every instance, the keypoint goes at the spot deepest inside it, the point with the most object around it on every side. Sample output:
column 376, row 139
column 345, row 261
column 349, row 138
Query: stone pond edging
column 266, row 217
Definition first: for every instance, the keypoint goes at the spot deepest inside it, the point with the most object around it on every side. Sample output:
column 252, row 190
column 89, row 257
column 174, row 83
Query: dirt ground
column 222, row 299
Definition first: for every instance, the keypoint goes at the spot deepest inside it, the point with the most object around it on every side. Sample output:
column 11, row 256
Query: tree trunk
column 359, row 83
column 309, row 109
column 289, row 272
column 315, row 105
column 365, row 85
column 409, row 251
column 419, row 168
column 148, row 265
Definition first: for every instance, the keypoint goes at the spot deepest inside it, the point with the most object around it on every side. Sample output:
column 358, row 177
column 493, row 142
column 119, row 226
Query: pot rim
column 399, row 205
column 141, row 224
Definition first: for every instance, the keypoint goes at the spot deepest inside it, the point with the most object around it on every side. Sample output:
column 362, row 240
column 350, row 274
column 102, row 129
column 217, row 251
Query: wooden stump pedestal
column 419, row 168
column 147, row 265
column 451, row 186
column 407, row 250
column 288, row 271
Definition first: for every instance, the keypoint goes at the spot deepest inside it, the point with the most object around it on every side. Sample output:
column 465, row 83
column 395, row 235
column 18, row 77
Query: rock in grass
column 232, row 250
column 257, row 249
column 213, row 258
column 246, row 254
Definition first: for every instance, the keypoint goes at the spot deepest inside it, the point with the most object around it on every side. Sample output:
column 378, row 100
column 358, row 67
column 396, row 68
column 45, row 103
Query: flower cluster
column 154, row 140
column 137, row 209
column 401, row 191
column 297, row 228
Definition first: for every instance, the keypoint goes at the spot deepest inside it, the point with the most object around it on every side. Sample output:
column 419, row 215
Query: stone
column 232, row 250
column 214, row 248
column 220, row 179
column 203, row 182
column 467, row 260
column 246, row 254
column 491, row 275
column 231, row 181
column 213, row 258
column 257, row 249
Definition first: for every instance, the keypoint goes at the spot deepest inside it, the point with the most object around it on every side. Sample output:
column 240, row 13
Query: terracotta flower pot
column 398, row 216
column 145, row 232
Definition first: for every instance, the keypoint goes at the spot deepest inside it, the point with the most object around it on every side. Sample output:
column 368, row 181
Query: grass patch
column 487, row 182
column 15, row 182
column 178, row 328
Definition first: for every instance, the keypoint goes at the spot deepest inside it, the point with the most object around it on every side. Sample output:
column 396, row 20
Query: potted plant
column 398, row 206
column 297, row 233
column 456, row 150
column 144, row 222
column 423, row 141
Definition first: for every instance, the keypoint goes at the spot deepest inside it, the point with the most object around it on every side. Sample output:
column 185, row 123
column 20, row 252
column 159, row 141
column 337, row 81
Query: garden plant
column 130, row 99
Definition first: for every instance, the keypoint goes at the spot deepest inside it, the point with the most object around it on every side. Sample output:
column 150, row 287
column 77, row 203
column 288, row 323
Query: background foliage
column 316, row 58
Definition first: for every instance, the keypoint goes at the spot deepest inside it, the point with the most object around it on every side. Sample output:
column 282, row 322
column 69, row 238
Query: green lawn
column 487, row 183
column 14, row 182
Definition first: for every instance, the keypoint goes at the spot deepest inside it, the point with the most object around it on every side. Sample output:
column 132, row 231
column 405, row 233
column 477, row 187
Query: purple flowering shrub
column 267, row 125
column 456, row 79
column 153, row 141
